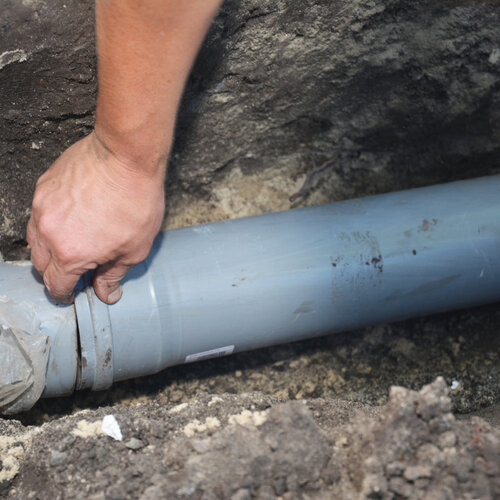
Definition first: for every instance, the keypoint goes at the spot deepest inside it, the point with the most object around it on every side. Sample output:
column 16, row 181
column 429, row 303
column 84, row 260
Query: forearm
column 145, row 52
column 101, row 204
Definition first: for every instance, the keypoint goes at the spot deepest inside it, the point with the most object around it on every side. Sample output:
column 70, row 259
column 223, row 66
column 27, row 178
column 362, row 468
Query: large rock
column 290, row 102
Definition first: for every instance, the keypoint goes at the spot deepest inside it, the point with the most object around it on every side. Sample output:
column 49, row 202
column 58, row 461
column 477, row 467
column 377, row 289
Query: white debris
column 178, row 408
column 215, row 400
column 195, row 426
column 111, row 428
column 454, row 384
column 85, row 429
column 248, row 418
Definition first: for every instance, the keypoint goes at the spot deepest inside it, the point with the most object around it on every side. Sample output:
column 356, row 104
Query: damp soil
column 359, row 366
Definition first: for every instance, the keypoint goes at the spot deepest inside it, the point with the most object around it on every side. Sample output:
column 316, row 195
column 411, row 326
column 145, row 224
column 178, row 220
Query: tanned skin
column 101, row 204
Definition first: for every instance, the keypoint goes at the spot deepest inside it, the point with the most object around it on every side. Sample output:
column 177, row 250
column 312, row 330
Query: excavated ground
column 290, row 104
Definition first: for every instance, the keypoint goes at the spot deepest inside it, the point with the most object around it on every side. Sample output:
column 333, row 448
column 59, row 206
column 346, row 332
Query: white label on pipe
column 213, row 353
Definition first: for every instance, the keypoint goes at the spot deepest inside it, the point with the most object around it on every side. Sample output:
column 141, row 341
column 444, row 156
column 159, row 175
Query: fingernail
column 115, row 295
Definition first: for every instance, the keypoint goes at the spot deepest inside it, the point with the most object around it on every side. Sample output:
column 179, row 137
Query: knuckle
column 141, row 253
column 64, row 254
column 45, row 225
column 132, row 259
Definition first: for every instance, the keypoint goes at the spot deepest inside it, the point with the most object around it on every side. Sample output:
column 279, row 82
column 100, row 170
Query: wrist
column 146, row 158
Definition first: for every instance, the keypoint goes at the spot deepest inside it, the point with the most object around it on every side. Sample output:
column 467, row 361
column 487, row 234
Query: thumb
column 107, row 281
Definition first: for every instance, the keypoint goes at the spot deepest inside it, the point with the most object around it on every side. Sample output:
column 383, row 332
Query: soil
column 290, row 104
column 254, row 446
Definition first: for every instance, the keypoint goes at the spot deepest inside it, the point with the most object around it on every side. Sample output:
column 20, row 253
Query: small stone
column 176, row 396
column 201, row 445
column 401, row 487
column 447, row 440
column 416, row 472
column 186, row 490
column 266, row 493
column 5, row 485
column 395, row 468
column 135, row 444
column 241, row 494
column 57, row 458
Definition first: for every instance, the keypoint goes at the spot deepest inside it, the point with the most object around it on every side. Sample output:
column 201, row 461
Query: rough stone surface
column 297, row 103
column 47, row 94
column 253, row 446
column 290, row 103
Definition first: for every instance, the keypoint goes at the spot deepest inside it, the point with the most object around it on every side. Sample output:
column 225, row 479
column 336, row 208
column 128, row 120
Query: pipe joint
column 96, row 342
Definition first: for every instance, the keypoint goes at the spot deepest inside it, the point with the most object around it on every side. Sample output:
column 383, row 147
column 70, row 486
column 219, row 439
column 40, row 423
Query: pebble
column 242, row 494
column 57, row 458
column 135, row 444
column 416, row 472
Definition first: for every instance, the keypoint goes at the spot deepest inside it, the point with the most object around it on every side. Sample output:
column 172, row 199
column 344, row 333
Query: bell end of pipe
column 96, row 341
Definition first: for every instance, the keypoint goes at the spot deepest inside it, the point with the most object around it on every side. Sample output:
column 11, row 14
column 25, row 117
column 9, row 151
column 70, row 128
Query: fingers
column 60, row 284
column 107, row 281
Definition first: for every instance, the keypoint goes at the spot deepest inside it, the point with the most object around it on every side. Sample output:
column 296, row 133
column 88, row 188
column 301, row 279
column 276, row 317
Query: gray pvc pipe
column 211, row 290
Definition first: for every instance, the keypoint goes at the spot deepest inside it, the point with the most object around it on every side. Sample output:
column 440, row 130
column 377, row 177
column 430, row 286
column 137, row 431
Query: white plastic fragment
column 454, row 384
column 111, row 428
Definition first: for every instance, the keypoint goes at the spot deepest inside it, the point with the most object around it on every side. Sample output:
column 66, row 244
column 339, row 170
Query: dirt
column 254, row 446
column 290, row 104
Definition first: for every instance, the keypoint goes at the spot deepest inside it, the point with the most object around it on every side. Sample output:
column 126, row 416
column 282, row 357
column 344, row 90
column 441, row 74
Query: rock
column 400, row 457
column 47, row 89
column 241, row 494
column 135, row 444
column 416, row 472
column 57, row 458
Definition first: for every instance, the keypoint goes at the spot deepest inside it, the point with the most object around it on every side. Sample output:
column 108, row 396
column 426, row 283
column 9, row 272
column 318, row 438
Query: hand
column 93, row 210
